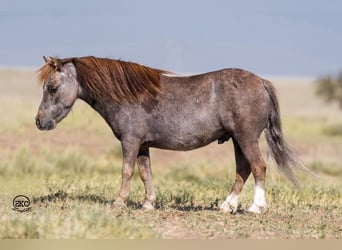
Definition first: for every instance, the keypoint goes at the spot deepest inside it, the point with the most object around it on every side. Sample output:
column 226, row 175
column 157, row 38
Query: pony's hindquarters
column 259, row 111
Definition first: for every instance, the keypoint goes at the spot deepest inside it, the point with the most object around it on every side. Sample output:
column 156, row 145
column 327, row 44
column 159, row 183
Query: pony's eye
column 52, row 90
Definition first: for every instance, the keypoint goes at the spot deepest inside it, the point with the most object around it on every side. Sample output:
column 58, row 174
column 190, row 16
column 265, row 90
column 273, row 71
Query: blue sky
column 292, row 37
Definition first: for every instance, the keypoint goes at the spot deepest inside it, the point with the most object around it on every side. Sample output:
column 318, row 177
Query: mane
column 44, row 72
column 108, row 80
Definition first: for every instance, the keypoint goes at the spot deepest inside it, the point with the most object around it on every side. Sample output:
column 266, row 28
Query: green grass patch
column 71, row 198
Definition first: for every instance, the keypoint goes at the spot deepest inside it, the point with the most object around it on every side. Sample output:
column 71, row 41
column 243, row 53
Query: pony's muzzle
column 45, row 126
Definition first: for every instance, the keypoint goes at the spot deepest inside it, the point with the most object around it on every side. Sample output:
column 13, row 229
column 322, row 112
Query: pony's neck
column 102, row 108
column 86, row 97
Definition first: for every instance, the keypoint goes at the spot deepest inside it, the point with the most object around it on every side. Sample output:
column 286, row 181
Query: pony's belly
column 187, row 142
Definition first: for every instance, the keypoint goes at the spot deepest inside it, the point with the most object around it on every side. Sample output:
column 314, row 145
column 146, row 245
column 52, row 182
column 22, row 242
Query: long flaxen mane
column 108, row 80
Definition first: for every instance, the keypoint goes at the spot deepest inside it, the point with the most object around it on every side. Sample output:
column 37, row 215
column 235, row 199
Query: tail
column 280, row 150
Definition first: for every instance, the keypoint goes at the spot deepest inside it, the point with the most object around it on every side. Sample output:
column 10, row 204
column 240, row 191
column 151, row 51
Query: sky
column 278, row 38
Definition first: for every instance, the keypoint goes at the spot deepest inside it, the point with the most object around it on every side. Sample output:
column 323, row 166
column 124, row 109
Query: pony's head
column 60, row 90
column 95, row 80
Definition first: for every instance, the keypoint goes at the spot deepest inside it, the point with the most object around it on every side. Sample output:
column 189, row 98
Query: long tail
column 280, row 150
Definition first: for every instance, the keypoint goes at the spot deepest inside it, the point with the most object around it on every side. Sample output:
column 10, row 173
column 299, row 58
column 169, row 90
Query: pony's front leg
column 144, row 166
column 130, row 152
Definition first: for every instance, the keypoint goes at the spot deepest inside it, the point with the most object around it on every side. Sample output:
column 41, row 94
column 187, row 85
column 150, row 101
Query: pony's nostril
column 38, row 123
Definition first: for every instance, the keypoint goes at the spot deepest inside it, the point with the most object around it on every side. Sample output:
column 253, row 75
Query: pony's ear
column 54, row 62
column 46, row 60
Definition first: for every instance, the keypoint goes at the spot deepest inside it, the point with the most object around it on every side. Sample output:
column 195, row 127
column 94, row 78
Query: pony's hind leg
column 248, row 159
column 258, row 166
column 144, row 166
column 259, row 202
column 243, row 171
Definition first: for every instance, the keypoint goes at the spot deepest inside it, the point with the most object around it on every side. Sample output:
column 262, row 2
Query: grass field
column 72, row 174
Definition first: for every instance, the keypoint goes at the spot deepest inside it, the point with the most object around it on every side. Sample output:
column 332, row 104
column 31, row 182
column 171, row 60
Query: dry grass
column 73, row 173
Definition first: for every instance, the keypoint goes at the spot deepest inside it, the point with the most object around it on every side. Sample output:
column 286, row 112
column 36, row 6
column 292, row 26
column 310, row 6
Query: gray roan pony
column 147, row 107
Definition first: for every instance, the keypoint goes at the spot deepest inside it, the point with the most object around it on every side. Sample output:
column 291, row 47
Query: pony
column 152, row 108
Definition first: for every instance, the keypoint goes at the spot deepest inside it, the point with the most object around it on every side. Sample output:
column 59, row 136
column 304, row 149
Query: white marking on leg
column 230, row 204
column 259, row 196
column 259, row 204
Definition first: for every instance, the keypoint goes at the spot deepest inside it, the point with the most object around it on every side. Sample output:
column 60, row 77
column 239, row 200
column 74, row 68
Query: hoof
column 147, row 206
column 257, row 209
column 228, row 208
column 119, row 203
